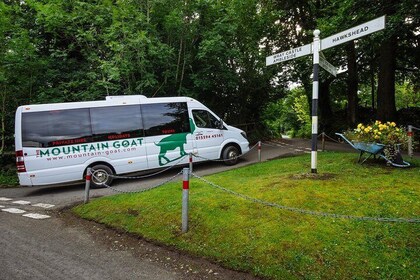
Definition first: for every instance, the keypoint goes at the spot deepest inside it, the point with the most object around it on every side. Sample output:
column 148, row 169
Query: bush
column 409, row 116
column 289, row 115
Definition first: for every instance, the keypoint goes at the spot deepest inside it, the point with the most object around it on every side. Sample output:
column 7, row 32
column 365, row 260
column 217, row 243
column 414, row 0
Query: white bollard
column 410, row 141
column 185, row 195
column 191, row 162
column 87, row 185
column 259, row 151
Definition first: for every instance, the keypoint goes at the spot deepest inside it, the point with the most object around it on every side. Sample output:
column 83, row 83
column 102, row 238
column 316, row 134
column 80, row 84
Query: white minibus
column 56, row 143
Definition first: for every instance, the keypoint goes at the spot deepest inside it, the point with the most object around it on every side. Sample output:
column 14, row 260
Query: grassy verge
column 8, row 176
column 280, row 244
column 8, row 179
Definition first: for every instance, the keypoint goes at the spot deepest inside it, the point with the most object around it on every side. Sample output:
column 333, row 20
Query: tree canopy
column 76, row 50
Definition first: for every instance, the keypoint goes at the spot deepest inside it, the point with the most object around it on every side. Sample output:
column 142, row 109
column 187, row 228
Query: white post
column 191, row 162
column 185, row 194
column 259, row 151
column 87, row 184
column 410, row 141
column 315, row 86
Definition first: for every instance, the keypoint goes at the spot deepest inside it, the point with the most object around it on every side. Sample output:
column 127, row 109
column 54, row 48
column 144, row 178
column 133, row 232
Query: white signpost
column 315, row 48
column 288, row 55
column 327, row 66
column 353, row 33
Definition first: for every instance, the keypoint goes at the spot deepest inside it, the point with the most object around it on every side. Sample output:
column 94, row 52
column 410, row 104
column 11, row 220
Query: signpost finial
column 317, row 32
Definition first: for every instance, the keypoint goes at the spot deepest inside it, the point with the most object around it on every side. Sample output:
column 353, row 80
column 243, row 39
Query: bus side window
column 54, row 128
column 165, row 118
column 116, row 122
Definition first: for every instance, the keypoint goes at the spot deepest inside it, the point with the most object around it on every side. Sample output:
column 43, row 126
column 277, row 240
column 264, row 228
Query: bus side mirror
column 220, row 124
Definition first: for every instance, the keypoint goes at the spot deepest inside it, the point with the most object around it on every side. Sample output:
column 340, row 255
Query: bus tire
column 230, row 155
column 101, row 176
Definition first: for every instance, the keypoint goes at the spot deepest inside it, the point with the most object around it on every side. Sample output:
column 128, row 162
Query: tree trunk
column 351, row 84
column 3, row 121
column 372, row 85
column 386, row 80
column 182, row 71
column 325, row 111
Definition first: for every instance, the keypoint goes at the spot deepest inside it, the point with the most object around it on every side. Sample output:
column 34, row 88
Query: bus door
column 208, row 136
column 168, row 135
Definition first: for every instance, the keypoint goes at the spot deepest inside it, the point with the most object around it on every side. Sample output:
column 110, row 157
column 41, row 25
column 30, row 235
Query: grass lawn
column 280, row 244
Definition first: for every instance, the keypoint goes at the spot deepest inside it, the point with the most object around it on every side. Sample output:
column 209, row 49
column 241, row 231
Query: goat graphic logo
column 171, row 143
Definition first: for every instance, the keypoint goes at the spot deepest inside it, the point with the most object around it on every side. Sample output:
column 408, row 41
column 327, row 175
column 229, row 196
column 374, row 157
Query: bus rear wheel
column 101, row 176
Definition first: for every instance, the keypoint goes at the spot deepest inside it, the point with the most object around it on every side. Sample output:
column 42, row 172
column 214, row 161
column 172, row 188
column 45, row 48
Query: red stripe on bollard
column 88, row 177
column 410, row 134
column 185, row 185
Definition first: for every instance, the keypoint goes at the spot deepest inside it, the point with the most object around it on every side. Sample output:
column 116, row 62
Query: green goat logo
column 171, row 143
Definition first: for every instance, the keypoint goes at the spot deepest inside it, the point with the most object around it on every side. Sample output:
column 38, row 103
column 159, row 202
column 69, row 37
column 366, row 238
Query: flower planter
column 373, row 148
column 390, row 153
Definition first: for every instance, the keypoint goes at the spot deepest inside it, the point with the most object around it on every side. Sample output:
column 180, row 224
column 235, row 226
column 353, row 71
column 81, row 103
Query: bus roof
column 109, row 101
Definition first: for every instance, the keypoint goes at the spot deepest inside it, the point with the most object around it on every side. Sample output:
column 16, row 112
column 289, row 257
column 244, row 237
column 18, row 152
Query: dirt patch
column 182, row 265
column 313, row 176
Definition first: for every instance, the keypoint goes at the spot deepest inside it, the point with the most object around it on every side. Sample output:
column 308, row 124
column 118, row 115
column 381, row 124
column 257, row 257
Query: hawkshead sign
column 353, row 33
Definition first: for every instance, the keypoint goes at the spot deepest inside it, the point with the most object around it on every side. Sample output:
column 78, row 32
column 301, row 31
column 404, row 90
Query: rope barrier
column 224, row 160
column 416, row 128
column 143, row 190
column 305, row 211
column 149, row 175
column 329, row 137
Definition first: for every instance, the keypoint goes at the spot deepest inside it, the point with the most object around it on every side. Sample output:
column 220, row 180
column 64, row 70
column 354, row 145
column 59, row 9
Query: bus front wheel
column 101, row 176
column 230, row 155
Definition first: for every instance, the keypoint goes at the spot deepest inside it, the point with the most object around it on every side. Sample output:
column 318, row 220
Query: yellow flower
column 366, row 129
column 383, row 126
column 393, row 124
column 359, row 125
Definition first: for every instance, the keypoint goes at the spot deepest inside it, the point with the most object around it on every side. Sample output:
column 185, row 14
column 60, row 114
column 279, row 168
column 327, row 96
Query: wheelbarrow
column 367, row 150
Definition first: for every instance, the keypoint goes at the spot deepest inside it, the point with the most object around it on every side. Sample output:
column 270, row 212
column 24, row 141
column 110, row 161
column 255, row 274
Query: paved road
column 52, row 244
column 49, row 249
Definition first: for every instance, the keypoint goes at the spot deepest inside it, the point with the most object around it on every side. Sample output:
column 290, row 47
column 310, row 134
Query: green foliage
column 289, row 115
column 59, row 51
column 279, row 244
column 8, row 173
column 407, row 96
column 8, row 179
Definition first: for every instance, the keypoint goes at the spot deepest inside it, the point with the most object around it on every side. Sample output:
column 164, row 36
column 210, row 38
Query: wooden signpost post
column 315, row 48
